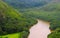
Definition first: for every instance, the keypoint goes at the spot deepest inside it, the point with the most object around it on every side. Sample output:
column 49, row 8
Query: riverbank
column 40, row 30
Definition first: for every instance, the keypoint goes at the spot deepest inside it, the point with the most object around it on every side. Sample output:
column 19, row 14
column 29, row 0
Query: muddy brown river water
column 40, row 30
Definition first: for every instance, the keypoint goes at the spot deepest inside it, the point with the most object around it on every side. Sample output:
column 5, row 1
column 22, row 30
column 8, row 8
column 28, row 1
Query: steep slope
column 11, row 21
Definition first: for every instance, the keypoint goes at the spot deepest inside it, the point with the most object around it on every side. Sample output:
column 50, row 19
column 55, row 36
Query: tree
column 55, row 34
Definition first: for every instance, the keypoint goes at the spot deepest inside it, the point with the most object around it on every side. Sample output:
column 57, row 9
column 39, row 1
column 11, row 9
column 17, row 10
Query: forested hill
column 27, row 3
column 11, row 21
column 50, row 12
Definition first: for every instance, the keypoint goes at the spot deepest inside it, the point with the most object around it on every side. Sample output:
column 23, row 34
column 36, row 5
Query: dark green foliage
column 50, row 13
column 26, row 3
column 24, row 34
column 55, row 34
column 11, row 21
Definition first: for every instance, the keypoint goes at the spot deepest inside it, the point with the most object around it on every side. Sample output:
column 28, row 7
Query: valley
column 17, row 17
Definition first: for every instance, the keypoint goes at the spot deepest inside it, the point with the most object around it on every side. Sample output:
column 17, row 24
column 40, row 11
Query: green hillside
column 11, row 21
column 55, row 34
column 50, row 13
column 16, row 35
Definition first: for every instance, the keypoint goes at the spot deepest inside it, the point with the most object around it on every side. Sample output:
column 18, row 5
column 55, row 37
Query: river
column 40, row 30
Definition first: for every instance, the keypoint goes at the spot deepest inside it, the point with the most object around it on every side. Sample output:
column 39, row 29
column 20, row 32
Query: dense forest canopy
column 21, row 20
column 27, row 3
column 50, row 13
column 55, row 34
column 11, row 21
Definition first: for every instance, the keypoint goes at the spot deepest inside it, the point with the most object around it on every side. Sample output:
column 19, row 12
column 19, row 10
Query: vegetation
column 16, row 35
column 11, row 21
column 50, row 13
column 55, row 34
column 19, row 4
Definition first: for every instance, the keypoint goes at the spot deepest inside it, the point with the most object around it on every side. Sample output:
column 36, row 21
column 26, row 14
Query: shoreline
column 37, row 24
